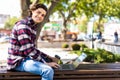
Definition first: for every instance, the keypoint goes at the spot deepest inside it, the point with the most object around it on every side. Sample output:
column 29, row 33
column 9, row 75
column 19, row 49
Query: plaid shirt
column 22, row 43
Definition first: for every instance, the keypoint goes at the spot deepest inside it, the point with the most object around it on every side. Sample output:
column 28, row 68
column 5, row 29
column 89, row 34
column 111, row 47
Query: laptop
column 74, row 64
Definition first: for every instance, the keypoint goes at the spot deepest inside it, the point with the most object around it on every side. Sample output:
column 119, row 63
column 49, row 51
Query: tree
column 101, row 8
column 68, row 11
column 24, row 8
column 10, row 22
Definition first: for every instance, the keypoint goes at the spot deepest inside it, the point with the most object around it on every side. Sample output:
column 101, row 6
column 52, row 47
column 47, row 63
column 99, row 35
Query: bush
column 106, row 56
column 90, row 54
column 117, row 57
column 65, row 45
column 99, row 56
column 75, row 46
column 83, row 46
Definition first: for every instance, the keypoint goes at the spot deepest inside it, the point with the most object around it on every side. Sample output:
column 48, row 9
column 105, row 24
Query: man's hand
column 55, row 59
column 53, row 65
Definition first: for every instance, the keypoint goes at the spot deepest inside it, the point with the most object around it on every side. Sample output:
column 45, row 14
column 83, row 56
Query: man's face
column 38, row 15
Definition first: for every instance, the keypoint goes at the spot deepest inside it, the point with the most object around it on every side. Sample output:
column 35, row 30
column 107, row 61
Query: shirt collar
column 31, row 23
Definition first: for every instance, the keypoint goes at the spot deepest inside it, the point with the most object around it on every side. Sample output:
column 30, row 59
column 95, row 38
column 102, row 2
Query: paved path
column 3, row 51
column 65, row 55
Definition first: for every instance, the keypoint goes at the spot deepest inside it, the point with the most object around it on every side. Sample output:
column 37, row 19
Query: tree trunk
column 64, row 31
column 24, row 8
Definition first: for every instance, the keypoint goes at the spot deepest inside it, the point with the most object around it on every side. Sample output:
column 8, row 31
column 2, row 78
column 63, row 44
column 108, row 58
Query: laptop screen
column 79, row 59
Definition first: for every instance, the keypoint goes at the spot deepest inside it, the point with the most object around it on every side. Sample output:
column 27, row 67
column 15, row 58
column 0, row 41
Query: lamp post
column 90, row 32
column 92, row 38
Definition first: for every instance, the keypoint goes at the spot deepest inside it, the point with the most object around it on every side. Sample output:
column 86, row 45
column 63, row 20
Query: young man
column 23, row 54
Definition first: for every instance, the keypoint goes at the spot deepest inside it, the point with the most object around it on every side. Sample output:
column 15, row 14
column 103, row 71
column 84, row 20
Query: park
column 70, row 28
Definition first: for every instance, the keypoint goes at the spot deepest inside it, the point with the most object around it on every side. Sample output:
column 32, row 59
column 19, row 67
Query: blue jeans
column 36, row 67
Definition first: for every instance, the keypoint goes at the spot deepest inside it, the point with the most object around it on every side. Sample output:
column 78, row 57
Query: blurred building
column 3, row 18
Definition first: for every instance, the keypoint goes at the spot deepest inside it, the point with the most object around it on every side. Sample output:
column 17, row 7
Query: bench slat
column 101, row 72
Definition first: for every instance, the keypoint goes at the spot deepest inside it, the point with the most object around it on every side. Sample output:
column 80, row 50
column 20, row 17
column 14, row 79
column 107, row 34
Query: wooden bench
column 84, row 72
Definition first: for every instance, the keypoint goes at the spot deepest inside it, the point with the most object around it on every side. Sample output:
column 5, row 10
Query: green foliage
column 117, row 57
column 75, row 46
column 82, row 24
column 90, row 54
column 65, row 45
column 10, row 22
column 60, row 61
column 83, row 46
column 104, row 56
column 83, row 28
column 99, row 55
